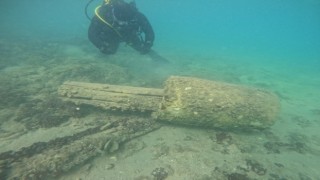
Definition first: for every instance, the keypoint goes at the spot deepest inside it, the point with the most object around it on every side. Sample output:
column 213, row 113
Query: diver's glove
column 146, row 47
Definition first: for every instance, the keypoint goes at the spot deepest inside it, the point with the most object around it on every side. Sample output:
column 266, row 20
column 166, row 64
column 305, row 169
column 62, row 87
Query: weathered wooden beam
column 112, row 97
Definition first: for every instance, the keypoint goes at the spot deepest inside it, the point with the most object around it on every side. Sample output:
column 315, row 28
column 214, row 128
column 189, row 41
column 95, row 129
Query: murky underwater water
column 43, row 137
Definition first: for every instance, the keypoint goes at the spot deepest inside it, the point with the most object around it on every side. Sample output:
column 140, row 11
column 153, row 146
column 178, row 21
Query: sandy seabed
column 31, row 112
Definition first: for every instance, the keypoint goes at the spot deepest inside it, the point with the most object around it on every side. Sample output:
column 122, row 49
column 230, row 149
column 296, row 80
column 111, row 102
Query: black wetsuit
column 127, row 25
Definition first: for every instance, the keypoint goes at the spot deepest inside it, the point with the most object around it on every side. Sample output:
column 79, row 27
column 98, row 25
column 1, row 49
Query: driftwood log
column 184, row 100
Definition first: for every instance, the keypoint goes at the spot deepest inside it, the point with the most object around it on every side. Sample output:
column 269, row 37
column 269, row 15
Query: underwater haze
column 272, row 45
column 280, row 30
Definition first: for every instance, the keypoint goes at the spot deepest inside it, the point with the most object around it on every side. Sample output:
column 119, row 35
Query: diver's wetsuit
column 127, row 25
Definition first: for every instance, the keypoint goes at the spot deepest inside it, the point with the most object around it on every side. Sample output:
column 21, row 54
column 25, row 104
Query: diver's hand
column 146, row 47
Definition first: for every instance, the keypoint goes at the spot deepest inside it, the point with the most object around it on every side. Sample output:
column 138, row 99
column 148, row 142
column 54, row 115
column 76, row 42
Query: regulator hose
column 86, row 9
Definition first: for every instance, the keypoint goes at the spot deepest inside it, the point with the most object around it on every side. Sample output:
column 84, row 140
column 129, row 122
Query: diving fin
column 157, row 57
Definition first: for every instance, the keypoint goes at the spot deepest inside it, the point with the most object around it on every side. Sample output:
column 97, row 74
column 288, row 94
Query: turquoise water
column 274, row 45
column 273, row 29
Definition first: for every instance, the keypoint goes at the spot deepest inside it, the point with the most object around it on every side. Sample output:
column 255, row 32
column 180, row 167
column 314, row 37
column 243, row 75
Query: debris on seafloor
column 60, row 155
column 184, row 100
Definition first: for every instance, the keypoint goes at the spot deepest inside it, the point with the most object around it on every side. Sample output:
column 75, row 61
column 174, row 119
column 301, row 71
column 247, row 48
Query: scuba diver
column 117, row 21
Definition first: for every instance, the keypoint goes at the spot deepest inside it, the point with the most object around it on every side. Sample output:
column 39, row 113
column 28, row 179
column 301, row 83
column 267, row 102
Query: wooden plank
column 112, row 97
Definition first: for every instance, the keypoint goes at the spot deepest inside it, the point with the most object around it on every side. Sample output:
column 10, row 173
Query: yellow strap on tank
column 104, row 21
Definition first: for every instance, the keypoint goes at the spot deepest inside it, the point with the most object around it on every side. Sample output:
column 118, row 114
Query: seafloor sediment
column 62, row 140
